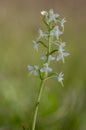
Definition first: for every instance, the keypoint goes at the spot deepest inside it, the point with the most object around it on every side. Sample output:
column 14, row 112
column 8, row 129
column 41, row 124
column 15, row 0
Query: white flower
column 49, row 16
column 35, row 45
column 33, row 69
column 62, row 22
column 51, row 58
column 44, row 58
column 44, row 13
column 60, row 78
column 61, row 52
column 41, row 34
column 64, row 54
column 56, row 32
column 52, row 16
column 61, row 47
column 46, row 68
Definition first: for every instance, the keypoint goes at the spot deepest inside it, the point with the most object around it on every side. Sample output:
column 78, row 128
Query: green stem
column 48, row 54
column 37, row 104
column 41, row 85
column 49, row 46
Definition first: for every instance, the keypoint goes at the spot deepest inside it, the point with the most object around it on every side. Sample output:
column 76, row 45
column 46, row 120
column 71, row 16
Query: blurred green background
column 60, row 108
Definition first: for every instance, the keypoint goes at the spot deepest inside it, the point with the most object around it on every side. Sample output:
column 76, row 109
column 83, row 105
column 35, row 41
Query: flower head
column 61, row 52
column 49, row 16
column 33, row 69
column 41, row 34
column 53, row 16
column 61, row 56
column 56, row 32
column 46, row 68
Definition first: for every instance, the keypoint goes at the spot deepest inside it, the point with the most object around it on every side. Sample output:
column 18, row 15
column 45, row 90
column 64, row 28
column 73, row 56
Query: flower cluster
column 55, row 47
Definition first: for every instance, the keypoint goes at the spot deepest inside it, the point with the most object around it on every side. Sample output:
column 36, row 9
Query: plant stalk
column 37, row 104
column 41, row 86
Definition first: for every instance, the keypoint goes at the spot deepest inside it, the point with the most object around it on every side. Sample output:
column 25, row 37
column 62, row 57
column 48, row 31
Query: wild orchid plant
column 54, row 46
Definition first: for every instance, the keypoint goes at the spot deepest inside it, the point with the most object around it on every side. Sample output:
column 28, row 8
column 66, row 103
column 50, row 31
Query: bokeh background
column 60, row 108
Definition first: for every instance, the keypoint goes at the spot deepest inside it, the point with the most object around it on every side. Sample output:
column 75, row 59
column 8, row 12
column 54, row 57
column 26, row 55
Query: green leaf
column 43, row 44
column 53, row 51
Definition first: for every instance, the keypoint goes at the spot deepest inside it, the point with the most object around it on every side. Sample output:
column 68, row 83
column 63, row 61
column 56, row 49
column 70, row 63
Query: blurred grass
column 60, row 108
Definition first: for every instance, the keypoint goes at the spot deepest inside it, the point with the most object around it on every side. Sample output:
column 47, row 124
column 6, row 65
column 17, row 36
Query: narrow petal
column 44, row 58
column 30, row 67
column 51, row 58
column 42, row 70
column 35, row 45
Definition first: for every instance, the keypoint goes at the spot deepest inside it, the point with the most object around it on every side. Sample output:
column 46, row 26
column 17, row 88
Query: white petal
column 56, row 15
column 51, row 58
column 51, row 12
column 44, row 13
column 65, row 54
column 36, row 67
column 30, row 67
column 59, row 33
column 59, row 57
column 49, row 69
column 53, row 17
column 44, row 57
column 35, row 45
column 60, row 77
column 56, row 32
column 42, row 69
column 35, row 73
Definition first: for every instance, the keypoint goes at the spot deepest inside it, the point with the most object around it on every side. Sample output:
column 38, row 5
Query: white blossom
column 44, row 58
column 52, row 16
column 56, row 32
column 62, row 22
column 46, row 68
column 44, row 13
column 41, row 34
column 51, row 58
column 60, row 78
column 61, row 52
column 49, row 16
column 35, row 45
column 64, row 54
column 33, row 69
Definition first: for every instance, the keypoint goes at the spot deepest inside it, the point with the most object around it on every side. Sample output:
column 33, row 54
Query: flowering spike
column 52, row 36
